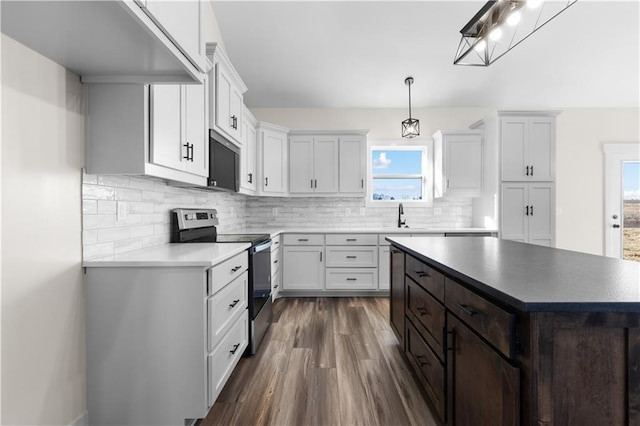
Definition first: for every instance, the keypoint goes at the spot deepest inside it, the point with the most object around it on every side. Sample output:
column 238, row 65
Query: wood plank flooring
column 324, row 361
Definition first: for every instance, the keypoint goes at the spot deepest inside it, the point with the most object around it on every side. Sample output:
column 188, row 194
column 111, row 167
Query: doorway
column 622, row 201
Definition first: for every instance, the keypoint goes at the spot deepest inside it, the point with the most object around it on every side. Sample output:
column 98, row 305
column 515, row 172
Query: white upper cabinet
column 248, row 175
column 352, row 165
column 527, row 213
column 116, row 41
column 272, row 160
column 313, row 164
column 527, row 148
column 458, row 163
column 226, row 97
column 327, row 163
column 180, row 21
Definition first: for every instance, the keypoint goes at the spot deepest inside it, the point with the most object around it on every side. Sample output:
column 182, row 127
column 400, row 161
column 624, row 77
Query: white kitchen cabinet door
column 272, row 156
column 303, row 268
column 325, row 164
column 541, row 214
column 248, row 153
column 228, row 102
column 352, row 165
column 180, row 21
column 351, row 279
column 166, row 126
column 458, row 167
column 527, row 213
column 195, row 128
column 527, row 145
column 301, row 164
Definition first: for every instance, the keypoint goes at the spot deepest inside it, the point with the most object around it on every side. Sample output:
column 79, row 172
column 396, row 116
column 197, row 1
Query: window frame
column 426, row 146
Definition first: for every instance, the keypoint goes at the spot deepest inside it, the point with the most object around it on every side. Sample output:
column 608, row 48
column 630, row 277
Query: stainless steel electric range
column 199, row 226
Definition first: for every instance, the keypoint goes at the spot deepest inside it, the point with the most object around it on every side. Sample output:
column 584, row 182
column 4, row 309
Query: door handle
column 527, row 211
column 186, row 145
column 527, row 170
column 250, row 180
column 616, row 226
column 235, row 348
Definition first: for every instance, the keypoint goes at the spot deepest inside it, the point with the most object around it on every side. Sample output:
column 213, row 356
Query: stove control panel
column 195, row 218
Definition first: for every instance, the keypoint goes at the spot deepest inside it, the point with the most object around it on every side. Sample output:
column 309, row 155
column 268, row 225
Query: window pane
column 390, row 162
column 397, row 189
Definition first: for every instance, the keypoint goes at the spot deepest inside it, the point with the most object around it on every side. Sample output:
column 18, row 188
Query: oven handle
column 260, row 247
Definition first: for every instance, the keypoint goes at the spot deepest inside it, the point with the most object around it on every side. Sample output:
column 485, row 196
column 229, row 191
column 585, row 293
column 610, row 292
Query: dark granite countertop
column 532, row 278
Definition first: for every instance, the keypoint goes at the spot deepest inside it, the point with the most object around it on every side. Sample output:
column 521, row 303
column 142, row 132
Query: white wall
column 579, row 157
column 43, row 361
column 580, row 172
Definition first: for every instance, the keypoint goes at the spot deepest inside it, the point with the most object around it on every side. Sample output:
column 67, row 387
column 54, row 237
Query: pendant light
column 410, row 126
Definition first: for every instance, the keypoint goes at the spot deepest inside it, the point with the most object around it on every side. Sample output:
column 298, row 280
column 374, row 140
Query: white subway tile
column 89, row 236
column 141, row 231
column 139, row 207
column 126, row 194
column 97, row 221
column 124, row 246
column 141, row 183
column 113, row 180
column 153, row 196
column 90, row 179
column 96, row 192
column 93, row 251
column 113, row 234
column 107, row 207
column 89, row 206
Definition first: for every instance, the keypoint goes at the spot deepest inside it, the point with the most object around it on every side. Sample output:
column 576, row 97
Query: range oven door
column 259, row 277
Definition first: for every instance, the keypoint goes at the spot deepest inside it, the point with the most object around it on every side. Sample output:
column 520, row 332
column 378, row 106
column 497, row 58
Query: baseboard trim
column 81, row 420
column 334, row 293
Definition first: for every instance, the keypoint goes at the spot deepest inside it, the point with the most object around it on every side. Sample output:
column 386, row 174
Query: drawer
column 358, row 257
column 303, row 239
column 223, row 273
column 351, row 279
column 491, row 322
column 427, row 314
column 275, row 243
column 352, row 239
column 225, row 307
column 226, row 355
column 430, row 279
column 430, row 371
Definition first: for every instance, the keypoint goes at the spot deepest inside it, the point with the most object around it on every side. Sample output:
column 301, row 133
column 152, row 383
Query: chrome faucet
column 400, row 213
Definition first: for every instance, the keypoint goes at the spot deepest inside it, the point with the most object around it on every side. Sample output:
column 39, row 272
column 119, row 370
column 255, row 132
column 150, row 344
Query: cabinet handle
column 467, row 310
column 421, row 359
column 237, row 268
column 527, row 170
column 361, row 183
column 235, row 348
column 275, row 286
column 235, row 302
column 527, row 211
column 186, row 145
column 266, row 181
column 190, row 149
column 447, row 183
column 311, row 183
column 303, row 239
column 352, row 279
column 320, row 256
column 315, row 183
column 275, row 261
column 421, row 274
column 234, row 122
column 352, row 239
column 531, row 170
column 422, row 311
column 530, row 210
column 352, row 257
column 250, row 180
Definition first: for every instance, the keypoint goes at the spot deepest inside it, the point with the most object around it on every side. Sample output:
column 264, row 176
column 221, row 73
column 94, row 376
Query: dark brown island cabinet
column 506, row 333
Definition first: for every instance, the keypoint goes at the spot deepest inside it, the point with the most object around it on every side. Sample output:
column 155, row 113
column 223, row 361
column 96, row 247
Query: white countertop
column 298, row 230
column 171, row 255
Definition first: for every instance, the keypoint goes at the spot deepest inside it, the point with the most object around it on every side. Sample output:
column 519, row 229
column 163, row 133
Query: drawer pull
column 352, row 279
column 275, row 261
column 235, row 302
column 421, row 359
column 275, row 286
column 235, row 348
column 468, row 310
column 421, row 274
column 422, row 311
column 352, row 239
column 303, row 239
column 352, row 257
column 237, row 268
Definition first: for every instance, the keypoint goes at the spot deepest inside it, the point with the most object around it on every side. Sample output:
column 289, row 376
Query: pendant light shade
column 410, row 126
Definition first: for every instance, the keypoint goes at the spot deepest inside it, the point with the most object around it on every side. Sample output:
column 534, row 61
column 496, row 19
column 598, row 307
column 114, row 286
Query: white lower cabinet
column 162, row 341
column 303, row 268
column 527, row 213
column 276, row 274
column 351, row 279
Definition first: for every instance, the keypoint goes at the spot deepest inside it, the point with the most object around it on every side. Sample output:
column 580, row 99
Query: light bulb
column 495, row 33
column 532, row 4
column 481, row 45
column 514, row 18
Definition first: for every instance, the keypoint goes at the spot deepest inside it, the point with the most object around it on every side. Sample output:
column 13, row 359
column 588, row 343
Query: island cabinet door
column 396, row 305
column 483, row 388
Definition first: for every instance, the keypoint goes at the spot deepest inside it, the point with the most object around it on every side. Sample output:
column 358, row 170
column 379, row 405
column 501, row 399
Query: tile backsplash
column 124, row 213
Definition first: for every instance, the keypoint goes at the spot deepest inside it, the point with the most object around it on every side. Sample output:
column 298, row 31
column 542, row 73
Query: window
column 398, row 173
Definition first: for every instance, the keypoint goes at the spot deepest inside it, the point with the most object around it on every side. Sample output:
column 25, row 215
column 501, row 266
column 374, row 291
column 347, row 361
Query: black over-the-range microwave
column 224, row 163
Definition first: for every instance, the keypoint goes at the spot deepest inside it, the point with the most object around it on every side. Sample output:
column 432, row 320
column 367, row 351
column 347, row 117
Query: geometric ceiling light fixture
column 501, row 25
column 410, row 126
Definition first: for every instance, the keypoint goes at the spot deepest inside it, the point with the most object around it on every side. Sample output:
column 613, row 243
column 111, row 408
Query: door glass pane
column 631, row 209
column 397, row 189
column 400, row 162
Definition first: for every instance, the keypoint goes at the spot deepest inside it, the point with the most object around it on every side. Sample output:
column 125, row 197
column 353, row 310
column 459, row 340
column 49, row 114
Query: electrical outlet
column 121, row 210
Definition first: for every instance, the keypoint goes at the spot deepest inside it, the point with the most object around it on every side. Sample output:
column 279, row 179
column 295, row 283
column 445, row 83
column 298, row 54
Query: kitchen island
column 500, row 332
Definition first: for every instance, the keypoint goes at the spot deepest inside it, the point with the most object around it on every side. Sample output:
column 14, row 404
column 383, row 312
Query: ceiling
column 356, row 54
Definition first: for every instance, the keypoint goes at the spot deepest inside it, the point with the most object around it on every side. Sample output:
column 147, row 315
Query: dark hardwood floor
column 324, row 361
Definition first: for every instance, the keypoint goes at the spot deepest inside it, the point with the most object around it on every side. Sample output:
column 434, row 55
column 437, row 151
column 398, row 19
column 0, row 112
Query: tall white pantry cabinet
column 525, row 142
